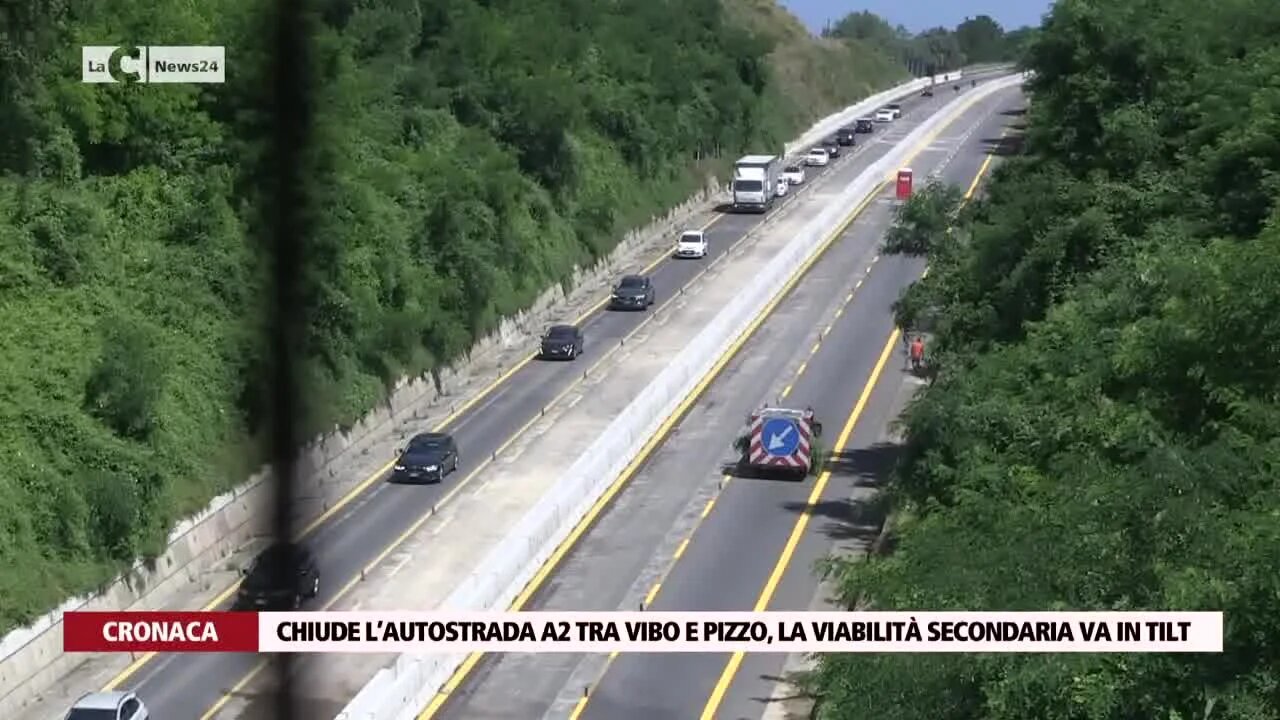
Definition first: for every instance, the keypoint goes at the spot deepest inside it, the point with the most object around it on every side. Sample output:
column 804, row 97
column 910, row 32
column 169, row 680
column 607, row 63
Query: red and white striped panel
column 797, row 459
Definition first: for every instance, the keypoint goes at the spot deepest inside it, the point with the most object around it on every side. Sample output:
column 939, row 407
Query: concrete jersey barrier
column 31, row 657
column 403, row 690
column 831, row 123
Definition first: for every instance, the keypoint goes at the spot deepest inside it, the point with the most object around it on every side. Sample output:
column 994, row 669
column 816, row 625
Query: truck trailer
column 755, row 182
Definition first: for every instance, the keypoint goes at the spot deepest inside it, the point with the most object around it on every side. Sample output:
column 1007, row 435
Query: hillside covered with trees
column 1103, row 429
column 469, row 155
column 977, row 40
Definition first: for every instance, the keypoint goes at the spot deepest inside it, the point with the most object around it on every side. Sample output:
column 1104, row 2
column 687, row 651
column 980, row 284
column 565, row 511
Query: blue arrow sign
column 780, row 436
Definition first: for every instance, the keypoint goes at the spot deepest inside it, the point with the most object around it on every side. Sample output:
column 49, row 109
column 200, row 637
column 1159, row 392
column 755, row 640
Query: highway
column 684, row 536
column 378, row 515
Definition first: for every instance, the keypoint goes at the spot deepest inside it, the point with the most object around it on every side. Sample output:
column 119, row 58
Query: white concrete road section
column 34, row 679
column 424, row 570
column 683, row 536
column 431, row 557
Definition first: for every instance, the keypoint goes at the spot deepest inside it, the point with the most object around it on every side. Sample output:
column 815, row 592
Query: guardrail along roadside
column 405, row 689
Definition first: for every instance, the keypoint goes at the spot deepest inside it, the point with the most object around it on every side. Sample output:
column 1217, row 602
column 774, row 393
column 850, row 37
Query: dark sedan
column 633, row 292
column 562, row 342
column 428, row 458
column 832, row 146
column 280, row 578
column 846, row 136
column 865, row 125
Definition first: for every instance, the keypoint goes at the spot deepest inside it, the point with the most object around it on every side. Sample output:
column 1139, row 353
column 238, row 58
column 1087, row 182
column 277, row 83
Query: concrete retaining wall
column 31, row 658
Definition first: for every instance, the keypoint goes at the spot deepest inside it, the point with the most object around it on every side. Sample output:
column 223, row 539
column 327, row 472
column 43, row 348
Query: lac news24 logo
column 153, row 64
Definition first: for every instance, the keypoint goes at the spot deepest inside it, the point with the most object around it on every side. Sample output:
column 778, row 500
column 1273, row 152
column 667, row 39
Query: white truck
column 755, row 182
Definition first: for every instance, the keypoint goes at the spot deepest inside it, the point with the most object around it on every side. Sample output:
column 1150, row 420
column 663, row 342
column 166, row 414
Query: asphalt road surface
column 674, row 540
column 192, row 687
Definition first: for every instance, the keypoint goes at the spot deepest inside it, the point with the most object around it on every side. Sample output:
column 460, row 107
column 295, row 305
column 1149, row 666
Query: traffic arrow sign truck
column 779, row 440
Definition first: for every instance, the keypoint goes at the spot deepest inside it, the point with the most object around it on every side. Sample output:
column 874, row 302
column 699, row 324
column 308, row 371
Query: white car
column 896, row 108
column 794, row 174
column 692, row 244
column 884, row 115
column 115, row 705
column 783, row 185
column 817, row 157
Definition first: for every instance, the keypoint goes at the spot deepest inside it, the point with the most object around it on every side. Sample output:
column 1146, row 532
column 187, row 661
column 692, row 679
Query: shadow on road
column 855, row 515
column 1003, row 146
column 864, row 467
column 791, row 680
column 747, row 472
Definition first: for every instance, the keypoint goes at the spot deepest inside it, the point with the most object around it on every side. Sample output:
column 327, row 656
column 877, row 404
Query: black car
column 864, row 125
column 427, row 458
column 832, row 146
column 928, row 92
column 633, row 292
column 562, row 342
column 846, row 136
column 280, row 578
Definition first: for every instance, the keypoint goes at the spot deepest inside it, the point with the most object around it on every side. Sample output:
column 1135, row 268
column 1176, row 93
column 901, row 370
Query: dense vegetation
column 976, row 40
column 1103, row 430
column 470, row 154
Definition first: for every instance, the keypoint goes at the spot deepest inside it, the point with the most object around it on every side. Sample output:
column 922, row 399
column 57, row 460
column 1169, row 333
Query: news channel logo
column 153, row 64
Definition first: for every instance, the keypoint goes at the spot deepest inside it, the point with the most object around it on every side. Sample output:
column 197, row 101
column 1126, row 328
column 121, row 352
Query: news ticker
column 665, row 632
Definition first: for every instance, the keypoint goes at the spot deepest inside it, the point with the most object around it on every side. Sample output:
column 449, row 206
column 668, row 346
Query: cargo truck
column 778, row 440
column 755, row 182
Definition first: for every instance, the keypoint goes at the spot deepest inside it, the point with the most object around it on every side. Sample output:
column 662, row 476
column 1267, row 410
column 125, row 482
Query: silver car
column 108, row 706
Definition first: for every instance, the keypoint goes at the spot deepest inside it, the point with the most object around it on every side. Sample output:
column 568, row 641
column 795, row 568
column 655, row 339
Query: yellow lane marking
column 549, row 567
column 460, row 675
column 239, row 686
column 726, row 677
column 364, row 485
column 684, row 545
column 797, row 532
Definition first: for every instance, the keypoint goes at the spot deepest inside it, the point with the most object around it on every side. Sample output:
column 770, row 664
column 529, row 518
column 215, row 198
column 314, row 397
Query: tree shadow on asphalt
column 1005, row 145
column 791, row 679
column 1011, row 142
column 847, row 518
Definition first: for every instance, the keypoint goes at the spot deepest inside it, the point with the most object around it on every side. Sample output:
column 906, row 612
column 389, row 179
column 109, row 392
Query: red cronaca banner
column 160, row 632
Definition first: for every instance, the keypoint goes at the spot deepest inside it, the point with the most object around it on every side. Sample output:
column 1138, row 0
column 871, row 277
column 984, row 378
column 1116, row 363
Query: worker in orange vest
column 917, row 353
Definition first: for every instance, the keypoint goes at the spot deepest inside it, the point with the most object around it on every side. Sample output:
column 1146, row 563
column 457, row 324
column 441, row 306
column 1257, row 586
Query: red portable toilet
column 904, row 183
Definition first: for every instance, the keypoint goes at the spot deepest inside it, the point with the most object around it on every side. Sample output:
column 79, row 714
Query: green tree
column 466, row 159
column 981, row 39
column 1101, row 434
column 924, row 220
column 128, row 379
